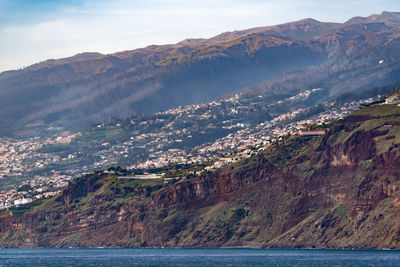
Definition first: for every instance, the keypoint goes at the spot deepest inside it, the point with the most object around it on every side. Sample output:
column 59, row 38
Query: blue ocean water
column 196, row 257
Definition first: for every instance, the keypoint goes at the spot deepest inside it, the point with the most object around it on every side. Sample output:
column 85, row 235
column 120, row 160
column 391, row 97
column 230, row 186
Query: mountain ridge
column 75, row 92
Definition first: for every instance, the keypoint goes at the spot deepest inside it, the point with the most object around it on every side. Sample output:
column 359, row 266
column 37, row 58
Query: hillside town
column 247, row 139
column 42, row 172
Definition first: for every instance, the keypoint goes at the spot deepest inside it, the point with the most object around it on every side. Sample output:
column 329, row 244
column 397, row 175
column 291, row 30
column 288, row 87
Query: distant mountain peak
column 306, row 20
column 389, row 18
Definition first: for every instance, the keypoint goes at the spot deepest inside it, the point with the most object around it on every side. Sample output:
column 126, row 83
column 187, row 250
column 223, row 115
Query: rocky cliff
column 341, row 190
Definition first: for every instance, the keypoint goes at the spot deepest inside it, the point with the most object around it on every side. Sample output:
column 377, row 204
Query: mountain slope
column 79, row 93
column 389, row 18
column 73, row 93
column 360, row 56
column 339, row 191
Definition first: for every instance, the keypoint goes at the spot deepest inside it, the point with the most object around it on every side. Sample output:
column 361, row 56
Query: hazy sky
column 36, row 30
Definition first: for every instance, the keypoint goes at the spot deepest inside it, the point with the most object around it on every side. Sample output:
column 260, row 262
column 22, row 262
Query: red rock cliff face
column 355, row 188
column 214, row 186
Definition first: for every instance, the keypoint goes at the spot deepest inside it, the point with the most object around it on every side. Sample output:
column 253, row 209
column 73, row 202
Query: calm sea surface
column 196, row 257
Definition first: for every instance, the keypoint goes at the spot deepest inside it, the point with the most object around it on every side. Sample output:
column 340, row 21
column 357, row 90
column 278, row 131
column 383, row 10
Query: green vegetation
column 111, row 134
column 383, row 121
column 341, row 211
column 25, row 207
column 282, row 152
column 56, row 147
column 174, row 223
column 143, row 182
column 379, row 111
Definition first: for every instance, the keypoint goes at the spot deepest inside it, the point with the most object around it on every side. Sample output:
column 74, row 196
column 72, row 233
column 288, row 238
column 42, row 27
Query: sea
column 196, row 257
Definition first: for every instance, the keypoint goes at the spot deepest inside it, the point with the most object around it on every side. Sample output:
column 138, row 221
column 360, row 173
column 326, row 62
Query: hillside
column 73, row 93
column 194, row 134
column 338, row 191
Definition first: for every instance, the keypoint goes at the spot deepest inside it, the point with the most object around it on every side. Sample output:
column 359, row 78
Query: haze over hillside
column 75, row 92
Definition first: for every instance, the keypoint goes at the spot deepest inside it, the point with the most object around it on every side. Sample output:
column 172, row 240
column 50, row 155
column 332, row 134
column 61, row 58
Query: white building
column 22, row 201
column 392, row 100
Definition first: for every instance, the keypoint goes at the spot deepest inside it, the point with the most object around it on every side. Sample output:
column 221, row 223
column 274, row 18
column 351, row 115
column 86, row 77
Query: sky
column 32, row 31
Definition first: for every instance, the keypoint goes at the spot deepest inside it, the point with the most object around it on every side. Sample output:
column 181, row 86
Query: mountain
column 304, row 29
column 72, row 93
column 336, row 191
column 389, row 18
column 360, row 56
column 144, row 81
